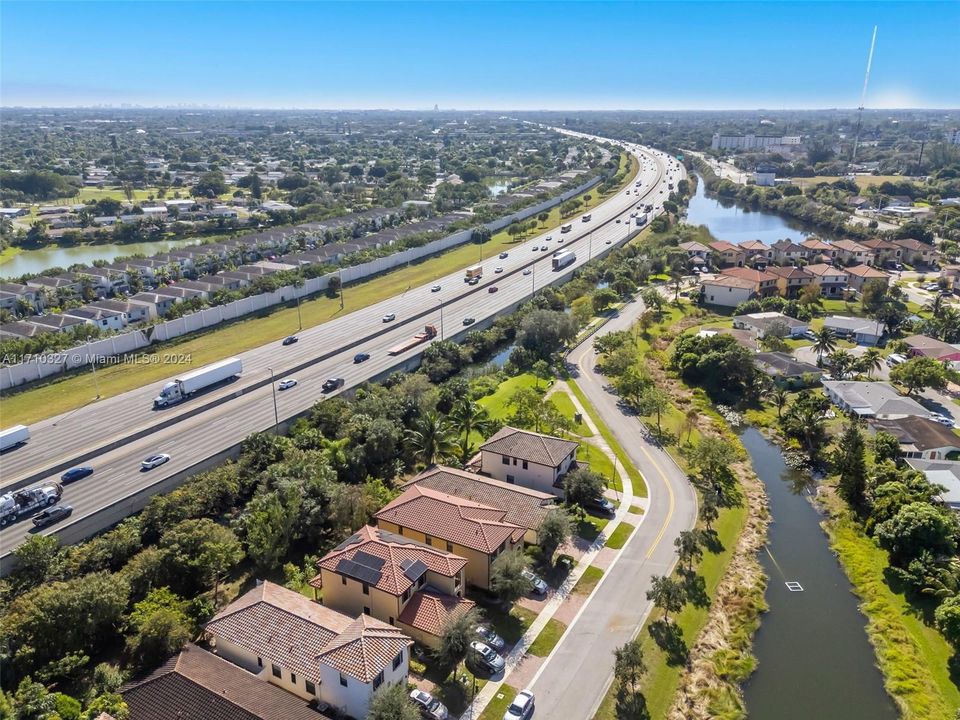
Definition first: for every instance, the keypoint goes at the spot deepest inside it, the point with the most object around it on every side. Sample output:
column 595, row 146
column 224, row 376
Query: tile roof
column 754, row 245
column 394, row 549
column 816, row 244
column 865, row 271
column 821, row 269
column 524, row 507
column 724, row 246
column 526, row 445
column 365, row 648
column 789, row 273
column 878, row 244
column 693, row 246
column 471, row 524
column 198, row 685
column 430, row 611
column 850, row 246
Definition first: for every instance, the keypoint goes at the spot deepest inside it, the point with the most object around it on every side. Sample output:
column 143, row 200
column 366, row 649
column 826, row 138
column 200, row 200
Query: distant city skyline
column 478, row 56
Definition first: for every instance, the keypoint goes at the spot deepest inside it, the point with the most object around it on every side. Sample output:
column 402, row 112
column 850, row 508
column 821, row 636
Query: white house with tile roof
column 526, row 458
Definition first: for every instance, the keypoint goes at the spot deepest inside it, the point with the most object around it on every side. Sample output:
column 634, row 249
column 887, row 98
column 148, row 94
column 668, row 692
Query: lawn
column 600, row 463
column 618, row 538
column 496, row 404
column 637, row 510
column 548, row 638
column 509, row 625
column 564, row 404
column 588, row 581
column 74, row 390
column 497, row 707
column 590, row 527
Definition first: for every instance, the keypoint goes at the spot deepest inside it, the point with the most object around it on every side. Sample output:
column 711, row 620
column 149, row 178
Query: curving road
column 323, row 351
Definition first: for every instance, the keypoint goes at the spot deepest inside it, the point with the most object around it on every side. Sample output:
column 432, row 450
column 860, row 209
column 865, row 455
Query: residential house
column 21, row 329
column 475, row 531
column 920, row 437
column 849, row 252
column 860, row 275
column 791, row 280
column 884, row 253
column 832, row 281
column 872, row 400
column 198, row 685
column 861, row 330
column 923, row 346
column 133, row 312
column 951, row 273
column 398, row 580
column 787, row 370
column 728, row 254
column 157, row 305
column 726, row 290
column 528, row 459
column 757, row 252
column 787, row 252
column 916, row 252
column 100, row 318
column 764, row 284
column 310, row 650
column 178, row 292
column 13, row 295
column 943, row 474
column 106, row 280
column 697, row 253
column 51, row 286
column 817, row 251
column 762, row 322
column 56, row 322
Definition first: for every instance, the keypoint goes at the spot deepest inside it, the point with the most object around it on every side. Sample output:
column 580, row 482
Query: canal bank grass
column 76, row 389
column 913, row 657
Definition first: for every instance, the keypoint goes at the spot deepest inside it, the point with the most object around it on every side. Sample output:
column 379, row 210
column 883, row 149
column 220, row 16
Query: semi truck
column 14, row 505
column 13, row 436
column 475, row 272
column 562, row 259
column 187, row 384
column 429, row 332
column 641, row 219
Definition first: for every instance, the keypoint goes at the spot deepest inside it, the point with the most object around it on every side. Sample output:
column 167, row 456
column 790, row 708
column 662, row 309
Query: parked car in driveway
column 521, row 708
column 290, row 340
column 490, row 637
column 486, row 657
column 539, row 586
column 430, row 707
column 77, row 473
column 154, row 461
column 600, row 504
column 50, row 515
column 287, row 384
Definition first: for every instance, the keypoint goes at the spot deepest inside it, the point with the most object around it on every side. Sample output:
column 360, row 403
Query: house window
column 366, row 589
column 343, row 579
column 449, row 547
column 259, row 662
column 421, row 581
column 511, row 479
column 391, row 620
column 277, row 673
column 311, row 688
column 378, row 680
column 428, row 540
column 524, row 464
column 293, row 678
column 343, row 679
column 398, row 660
column 505, row 460
column 406, row 595
column 366, row 610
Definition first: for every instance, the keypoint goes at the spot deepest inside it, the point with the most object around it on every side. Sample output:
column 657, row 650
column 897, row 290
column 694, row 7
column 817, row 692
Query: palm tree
column 825, row 342
column 841, row 363
column 433, row 439
column 468, row 416
column 870, row 361
column 779, row 399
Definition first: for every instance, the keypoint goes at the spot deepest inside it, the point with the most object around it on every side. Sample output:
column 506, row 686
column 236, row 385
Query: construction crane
column 863, row 96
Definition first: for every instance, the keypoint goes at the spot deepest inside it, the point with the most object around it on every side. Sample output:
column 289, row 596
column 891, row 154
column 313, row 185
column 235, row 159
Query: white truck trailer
column 13, row 436
column 187, row 384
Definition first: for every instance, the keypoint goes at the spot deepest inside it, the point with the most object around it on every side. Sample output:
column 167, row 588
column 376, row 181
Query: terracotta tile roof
column 821, row 269
column 693, row 246
column 754, row 245
column 394, row 550
column 723, row 246
column 523, row 506
column 790, row 273
column 730, row 281
column 198, row 685
column 850, row 246
column 365, row 648
column 471, row 524
column 915, row 245
column 430, row 611
column 816, row 244
column 867, row 272
column 878, row 244
column 786, row 246
column 754, row 276
column 533, row 447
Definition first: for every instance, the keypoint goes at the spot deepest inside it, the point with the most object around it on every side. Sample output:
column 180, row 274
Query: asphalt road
column 189, row 440
column 576, row 676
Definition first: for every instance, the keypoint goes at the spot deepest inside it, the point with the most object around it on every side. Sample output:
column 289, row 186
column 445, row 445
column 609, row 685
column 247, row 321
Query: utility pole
column 299, row 316
column 276, row 414
column 441, row 320
column 96, row 381
column 340, row 275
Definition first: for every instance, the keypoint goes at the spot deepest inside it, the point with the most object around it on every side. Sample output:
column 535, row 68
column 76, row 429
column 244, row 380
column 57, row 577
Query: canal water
column 814, row 659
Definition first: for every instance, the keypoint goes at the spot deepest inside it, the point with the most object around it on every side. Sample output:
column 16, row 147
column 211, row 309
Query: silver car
column 521, row 708
column 487, row 657
column 429, row 706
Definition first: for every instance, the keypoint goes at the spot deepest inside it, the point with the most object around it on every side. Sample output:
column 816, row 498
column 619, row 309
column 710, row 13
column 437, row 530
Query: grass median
column 76, row 389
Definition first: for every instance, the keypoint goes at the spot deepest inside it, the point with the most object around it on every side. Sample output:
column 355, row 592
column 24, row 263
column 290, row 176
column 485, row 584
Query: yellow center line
column 670, row 508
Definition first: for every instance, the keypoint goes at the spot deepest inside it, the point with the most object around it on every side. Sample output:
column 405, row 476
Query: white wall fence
column 133, row 340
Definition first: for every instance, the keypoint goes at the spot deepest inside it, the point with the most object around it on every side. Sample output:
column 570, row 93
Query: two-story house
column 849, row 252
column 790, row 280
column 310, row 650
column 474, row 531
column 727, row 254
column 726, row 290
column 831, row 280
column 787, row 252
column 764, row 283
column 860, row 275
column 884, row 252
column 526, row 458
column 758, row 254
column 396, row 579
column 914, row 251
column 818, row 251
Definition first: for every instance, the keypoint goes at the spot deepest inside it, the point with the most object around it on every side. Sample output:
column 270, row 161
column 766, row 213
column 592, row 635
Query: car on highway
column 361, row 357
column 544, row 247
column 521, row 708
column 492, row 289
column 469, row 321
column 536, row 582
column 476, row 280
column 287, row 384
column 77, row 473
column 609, row 241
column 435, row 288
column 430, row 707
column 486, row 657
column 290, row 340
column 50, row 515
column 497, row 270
column 490, row 637
column 527, row 271
column 389, row 317
column 618, row 220
column 504, row 256
column 331, row 384
column 154, row 461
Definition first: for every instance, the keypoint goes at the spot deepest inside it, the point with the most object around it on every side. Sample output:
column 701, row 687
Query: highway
column 192, row 436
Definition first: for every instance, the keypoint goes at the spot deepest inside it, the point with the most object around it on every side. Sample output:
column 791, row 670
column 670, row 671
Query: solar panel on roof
column 369, row 560
column 358, row 572
column 414, row 571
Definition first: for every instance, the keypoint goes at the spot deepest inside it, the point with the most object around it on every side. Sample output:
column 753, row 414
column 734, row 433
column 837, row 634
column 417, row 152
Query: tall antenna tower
column 863, row 95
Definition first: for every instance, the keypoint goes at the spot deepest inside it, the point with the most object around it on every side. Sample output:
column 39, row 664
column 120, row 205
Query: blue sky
column 498, row 55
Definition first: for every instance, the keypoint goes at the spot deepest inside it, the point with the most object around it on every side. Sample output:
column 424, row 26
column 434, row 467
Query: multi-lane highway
column 327, row 350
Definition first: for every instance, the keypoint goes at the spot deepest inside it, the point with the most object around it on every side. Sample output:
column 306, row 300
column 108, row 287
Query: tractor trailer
column 561, row 260
column 642, row 219
column 11, row 437
column 189, row 383
column 14, row 505
column 429, row 332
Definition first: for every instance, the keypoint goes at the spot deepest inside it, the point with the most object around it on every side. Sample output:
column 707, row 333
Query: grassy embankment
column 74, row 390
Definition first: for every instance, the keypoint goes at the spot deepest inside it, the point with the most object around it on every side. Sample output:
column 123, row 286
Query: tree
column 602, row 299
column 433, row 439
column 653, row 401
column 870, row 362
column 36, row 558
column 581, row 310
column 541, row 370
column 841, row 363
column 468, row 417
column 689, row 547
column 628, row 668
column 159, row 627
column 712, row 456
column 919, row 373
column 267, row 524
column 543, row 332
column 506, row 576
column 391, row 702
column 197, row 552
column 455, row 638
column 653, row 300
column 543, row 217
column 918, row 527
column 530, row 411
column 709, row 510
column 804, row 421
column 555, row 529
column 582, row 486
column 824, row 342
column 885, row 447
column 947, row 617
column 779, row 398
column 667, row 595
column 110, row 703
column 210, row 185
column 33, row 701
column 850, row 460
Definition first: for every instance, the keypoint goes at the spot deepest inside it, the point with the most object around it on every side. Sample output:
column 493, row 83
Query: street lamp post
column 340, row 276
column 590, row 247
column 96, row 381
column 441, row 319
column 299, row 316
column 276, row 414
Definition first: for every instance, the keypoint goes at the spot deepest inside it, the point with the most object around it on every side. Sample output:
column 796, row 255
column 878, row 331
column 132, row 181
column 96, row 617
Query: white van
column 895, row 359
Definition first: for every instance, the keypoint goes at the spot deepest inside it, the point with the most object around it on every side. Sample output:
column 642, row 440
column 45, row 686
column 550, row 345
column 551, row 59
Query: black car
column 51, row 515
column 290, row 340
column 332, row 384
column 600, row 505
column 77, row 473
column 361, row 357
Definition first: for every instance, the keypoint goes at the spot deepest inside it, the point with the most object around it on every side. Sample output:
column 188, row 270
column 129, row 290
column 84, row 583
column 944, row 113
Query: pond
column 814, row 659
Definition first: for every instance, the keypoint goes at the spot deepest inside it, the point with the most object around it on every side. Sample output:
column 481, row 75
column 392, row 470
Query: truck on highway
column 475, row 272
column 14, row 505
column 566, row 228
column 13, row 436
column 641, row 219
column 562, row 259
column 429, row 332
column 586, row 218
column 187, row 384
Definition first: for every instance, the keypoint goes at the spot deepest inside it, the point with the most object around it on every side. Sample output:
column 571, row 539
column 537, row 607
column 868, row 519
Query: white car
column 548, row 238
column 527, row 271
column 931, row 287
column 429, row 706
column 521, row 708
column 487, row 657
column 287, row 384
column 497, row 270
column 154, row 461
column 389, row 317
column 539, row 586
column 435, row 288
column 942, row 419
